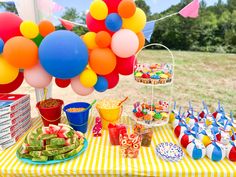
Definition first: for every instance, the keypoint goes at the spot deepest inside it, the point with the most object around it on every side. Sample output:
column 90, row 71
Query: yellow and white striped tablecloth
column 102, row 159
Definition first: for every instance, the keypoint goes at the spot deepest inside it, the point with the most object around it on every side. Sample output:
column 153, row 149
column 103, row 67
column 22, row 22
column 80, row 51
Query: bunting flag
column 149, row 29
column 67, row 24
column 191, row 10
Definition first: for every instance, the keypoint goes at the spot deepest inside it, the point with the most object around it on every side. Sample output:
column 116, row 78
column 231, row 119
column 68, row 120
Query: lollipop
column 185, row 138
column 196, row 149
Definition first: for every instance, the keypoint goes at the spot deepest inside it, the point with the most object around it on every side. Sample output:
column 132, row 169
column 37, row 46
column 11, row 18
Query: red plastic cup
column 114, row 132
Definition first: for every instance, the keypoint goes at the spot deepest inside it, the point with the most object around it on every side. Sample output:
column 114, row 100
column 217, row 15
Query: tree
column 232, row 5
column 143, row 5
column 9, row 6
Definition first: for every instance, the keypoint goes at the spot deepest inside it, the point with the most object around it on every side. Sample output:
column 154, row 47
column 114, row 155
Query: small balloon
column 98, row 10
column 62, row 83
column 29, row 29
column 11, row 87
column 8, row 73
column 1, row 45
column 125, row 66
column 78, row 88
column 101, row 85
column 113, row 22
column 112, row 5
column 113, row 79
column 102, row 61
column 89, row 40
column 121, row 47
column 141, row 39
column 95, row 25
column 46, row 27
column 137, row 22
column 88, row 78
column 103, row 39
column 37, row 77
column 126, row 8
column 10, row 26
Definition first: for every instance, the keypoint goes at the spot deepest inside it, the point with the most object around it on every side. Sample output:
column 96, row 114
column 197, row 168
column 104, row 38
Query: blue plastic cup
column 78, row 120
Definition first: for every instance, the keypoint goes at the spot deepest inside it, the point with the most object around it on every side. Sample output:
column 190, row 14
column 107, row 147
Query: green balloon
column 38, row 40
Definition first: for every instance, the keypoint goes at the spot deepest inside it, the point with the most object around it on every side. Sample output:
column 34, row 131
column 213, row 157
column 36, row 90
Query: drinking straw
column 180, row 110
column 226, row 124
column 219, row 106
column 234, row 135
column 174, row 105
column 90, row 105
column 214, row 135
column 123, row 101
column 231, row 116
column 196, row 132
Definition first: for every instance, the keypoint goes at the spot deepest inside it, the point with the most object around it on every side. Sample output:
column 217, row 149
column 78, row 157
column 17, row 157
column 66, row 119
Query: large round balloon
column 113, row 22
column 88, row 78
column 101, row 85
column 95, row 25
column 127, row 8
column 37, row 77
column 112, row 5
column 11, row 87
column 1, row 45
column 29, row 29
column 10, row 25
column 46, row 27
column 141, row 39
column 113, row 79
column 137, row 22
column 21, row 52
column 98, row 10
column 62, row 83
column 63, row 54
column 102, row 61
column 89, row 40
column 8, row 73
column 103, row 39
column 125, row 66
column 124, row 43
column 79, row 88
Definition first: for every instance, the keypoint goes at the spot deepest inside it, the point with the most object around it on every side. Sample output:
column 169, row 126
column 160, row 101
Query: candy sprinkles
column 204, row 133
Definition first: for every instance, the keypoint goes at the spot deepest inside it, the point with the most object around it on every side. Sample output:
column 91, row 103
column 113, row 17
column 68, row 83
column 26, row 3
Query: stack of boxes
column 15, row 118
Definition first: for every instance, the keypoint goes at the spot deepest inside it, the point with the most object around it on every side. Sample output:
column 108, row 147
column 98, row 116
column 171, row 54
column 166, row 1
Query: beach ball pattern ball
column 215, row 152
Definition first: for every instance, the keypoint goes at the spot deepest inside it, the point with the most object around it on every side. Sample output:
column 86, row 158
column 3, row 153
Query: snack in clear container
column 146, row 134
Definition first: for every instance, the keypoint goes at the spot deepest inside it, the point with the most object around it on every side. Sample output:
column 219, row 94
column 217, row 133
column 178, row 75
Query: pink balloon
column 79, row 88
column 124, row 43
column 37, row 77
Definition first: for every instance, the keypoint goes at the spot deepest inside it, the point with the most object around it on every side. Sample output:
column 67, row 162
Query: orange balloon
column 103, row 39
column 21, row 52
column 102, row 61
column 126, row 8
column 46, row 27
column 141, row 39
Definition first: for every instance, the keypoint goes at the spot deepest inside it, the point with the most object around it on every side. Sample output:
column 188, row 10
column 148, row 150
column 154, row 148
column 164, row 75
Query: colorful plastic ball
column 63, row 54
column 103, row 39
column 78, row 88
column 137, row 22
column 113, row 22
column 121, row 47
column 62, row 83
column 95, row 25
column 141, row 39
column 215, row 152
column 113, row 79
column 185, row 138
column 231, row 151
column 125, row 66
column 46, row 27
column 29, row 29
column 89, row 40
column 8, row 73
column 179, row 130
column 196, row 149
column 88, row 78
column 12, row 86
column 21, row 52
column 98, row 9
column 10, row 26
column 101, row 85
column 102, row 61
column 127, row 8
column 1, row 45
column 37, row 77
column 112, row 5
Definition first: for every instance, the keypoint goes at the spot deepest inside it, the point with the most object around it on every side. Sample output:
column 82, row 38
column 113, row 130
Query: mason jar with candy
column 146, row 134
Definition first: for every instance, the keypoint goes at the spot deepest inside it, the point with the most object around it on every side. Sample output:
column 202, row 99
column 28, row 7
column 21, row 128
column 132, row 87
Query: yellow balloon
column 8, row 73
column 137, row 22
column 98, row 10
column 89, row 40
column 29, row 29
column 88, row 78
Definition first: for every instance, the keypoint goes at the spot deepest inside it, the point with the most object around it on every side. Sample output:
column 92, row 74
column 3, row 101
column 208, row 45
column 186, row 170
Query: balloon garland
column 91, row 62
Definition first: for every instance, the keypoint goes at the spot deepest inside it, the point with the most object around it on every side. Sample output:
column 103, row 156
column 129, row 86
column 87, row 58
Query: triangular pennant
column 191, row 10
column 67, row 24
column 149, row 29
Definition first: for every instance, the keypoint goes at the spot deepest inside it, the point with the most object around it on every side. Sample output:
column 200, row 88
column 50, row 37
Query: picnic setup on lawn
column 153, row 136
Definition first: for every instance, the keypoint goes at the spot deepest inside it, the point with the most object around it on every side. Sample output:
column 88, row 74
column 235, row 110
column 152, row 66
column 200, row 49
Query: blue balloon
column 101, row 85
column 1, row 45
column 63, row 54
column 113, row 22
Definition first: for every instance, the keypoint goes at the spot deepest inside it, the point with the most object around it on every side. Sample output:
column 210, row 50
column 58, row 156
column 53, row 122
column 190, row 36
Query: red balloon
column 10, row 25
column 113, row 79
column 112, row 5
column 125, row 66
column 95, row 25
column 62, row 83
column 8, row 88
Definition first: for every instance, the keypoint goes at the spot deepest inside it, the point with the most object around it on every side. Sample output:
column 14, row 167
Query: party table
column 102, row 159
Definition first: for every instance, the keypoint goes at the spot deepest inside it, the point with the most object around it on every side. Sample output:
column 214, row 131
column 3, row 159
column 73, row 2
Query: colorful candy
column 97, row 127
